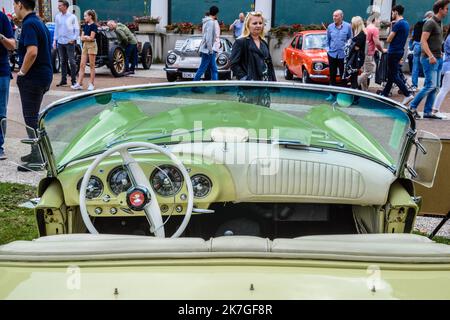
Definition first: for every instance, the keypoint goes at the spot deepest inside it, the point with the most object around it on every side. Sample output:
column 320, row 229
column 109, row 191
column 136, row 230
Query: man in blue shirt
column 36, row 72
column 397, row 41
column 338, row 33
column 67, row 30
column 7, row 42
column 238, row 25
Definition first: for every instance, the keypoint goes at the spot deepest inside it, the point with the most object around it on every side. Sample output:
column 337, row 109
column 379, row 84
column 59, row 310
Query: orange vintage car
column 306, row 57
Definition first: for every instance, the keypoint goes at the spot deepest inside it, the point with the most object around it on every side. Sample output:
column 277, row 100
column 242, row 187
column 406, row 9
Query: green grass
column 436, row 238
column 16, row 223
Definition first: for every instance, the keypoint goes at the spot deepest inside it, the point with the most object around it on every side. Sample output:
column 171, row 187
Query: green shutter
column 194, row 10
column 120, row 10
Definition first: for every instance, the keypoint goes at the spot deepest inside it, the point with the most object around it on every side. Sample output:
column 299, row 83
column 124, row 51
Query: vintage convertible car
column 228, row 190
column 183, row 61
column 306, row 57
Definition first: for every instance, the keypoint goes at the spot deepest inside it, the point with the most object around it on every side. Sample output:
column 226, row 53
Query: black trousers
column 393, row 61
column 335, row 64
column 31, row 95
column 67, row 55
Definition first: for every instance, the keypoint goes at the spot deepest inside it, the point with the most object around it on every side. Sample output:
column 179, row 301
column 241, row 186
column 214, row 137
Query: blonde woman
column 355, row 52
column 90, row 49
column 250, row 57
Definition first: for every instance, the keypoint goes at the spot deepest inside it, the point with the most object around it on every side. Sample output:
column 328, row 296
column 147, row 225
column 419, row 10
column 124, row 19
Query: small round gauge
column 94, row 188
column 202, row 185
column 166, row 180
column 118, row 180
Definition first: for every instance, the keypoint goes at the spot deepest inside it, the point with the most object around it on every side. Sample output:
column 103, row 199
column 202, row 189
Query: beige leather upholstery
column 395, row 248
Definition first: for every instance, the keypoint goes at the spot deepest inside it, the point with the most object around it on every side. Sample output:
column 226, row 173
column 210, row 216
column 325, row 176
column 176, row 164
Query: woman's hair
column 246, row 31
column 92, row 13
column 447, row 33
column 357, row 25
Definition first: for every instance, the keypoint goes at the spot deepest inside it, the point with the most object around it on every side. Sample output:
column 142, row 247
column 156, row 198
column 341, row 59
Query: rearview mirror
column 424, row 158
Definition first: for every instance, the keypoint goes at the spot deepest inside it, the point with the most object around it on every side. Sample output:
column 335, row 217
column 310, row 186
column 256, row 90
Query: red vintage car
column 306, row 57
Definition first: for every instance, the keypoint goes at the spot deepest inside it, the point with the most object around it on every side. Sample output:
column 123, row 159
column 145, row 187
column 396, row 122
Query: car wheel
column 305, row 76
column 287, row 74
column 171, row 77
column 56, row 61
column 116, row 61
column 146, row 56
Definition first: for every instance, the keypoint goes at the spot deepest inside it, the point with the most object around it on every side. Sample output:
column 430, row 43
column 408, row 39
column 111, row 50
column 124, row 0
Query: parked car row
column 110, row 53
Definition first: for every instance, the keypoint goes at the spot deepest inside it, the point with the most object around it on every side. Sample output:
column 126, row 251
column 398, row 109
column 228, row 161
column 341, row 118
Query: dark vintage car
column 183, row 61
column 111, row 54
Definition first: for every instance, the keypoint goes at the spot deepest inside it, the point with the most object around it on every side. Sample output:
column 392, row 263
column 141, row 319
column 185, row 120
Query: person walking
column 431, row 59
column 128, row 41
column 417, row 49
column 7, row 42
column 250, row 55
column 338, row 33
column 36, row 72
column 208, row 45
column 65, row 38
column 238, row 25
column 355, row 52
column 89, row 51
column 397, row 41
column 446, row 80
column 373, row 44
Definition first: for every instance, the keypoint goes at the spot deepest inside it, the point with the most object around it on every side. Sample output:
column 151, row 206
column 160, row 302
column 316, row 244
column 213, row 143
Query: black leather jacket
column 246, row 63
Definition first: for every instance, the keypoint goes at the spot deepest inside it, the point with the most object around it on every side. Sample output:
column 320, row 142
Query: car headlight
column 171, row 58
column 222, row 60
column 318, row 66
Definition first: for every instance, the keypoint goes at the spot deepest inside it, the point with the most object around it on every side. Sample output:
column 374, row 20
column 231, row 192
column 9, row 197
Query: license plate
column 189, row 75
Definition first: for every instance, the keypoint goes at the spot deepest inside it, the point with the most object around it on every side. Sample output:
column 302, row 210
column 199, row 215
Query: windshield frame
column 404, row 149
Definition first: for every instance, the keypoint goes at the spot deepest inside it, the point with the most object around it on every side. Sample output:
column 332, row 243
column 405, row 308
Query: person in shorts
column 89, row 51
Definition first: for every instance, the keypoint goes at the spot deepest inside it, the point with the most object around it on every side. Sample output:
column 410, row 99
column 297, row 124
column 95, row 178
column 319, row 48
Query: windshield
column 191, row 44
column 315, row 41
column 366, row 125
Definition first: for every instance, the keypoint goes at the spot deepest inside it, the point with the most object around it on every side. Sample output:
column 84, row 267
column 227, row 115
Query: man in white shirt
column 67, row 31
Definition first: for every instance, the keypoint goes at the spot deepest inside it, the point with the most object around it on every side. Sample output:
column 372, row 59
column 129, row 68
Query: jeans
column 416, row 63
column 432, row 83
column 208, row 62
column 31, row 95
column 131, row 57
column 445, row 89
column 67, row 56
column 335, row 65
column 4, row 96
column 393, row 60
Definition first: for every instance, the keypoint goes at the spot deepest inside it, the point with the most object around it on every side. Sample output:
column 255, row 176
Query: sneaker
column 431, row 116
column 91, row 87
column 3, row 156
column 441, row 115
column 414, row 89
column 77, row 86
column 407, row 99
column 62, row 84
column 415, row 114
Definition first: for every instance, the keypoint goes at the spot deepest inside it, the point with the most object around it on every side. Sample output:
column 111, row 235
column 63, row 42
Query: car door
column 289, row 53
column 297, row 57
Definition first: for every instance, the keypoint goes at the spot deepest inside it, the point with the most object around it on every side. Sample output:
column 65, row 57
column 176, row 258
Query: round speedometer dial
column 94, row 188
column 119, row 181
column 202, row 185
column 166, row 180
